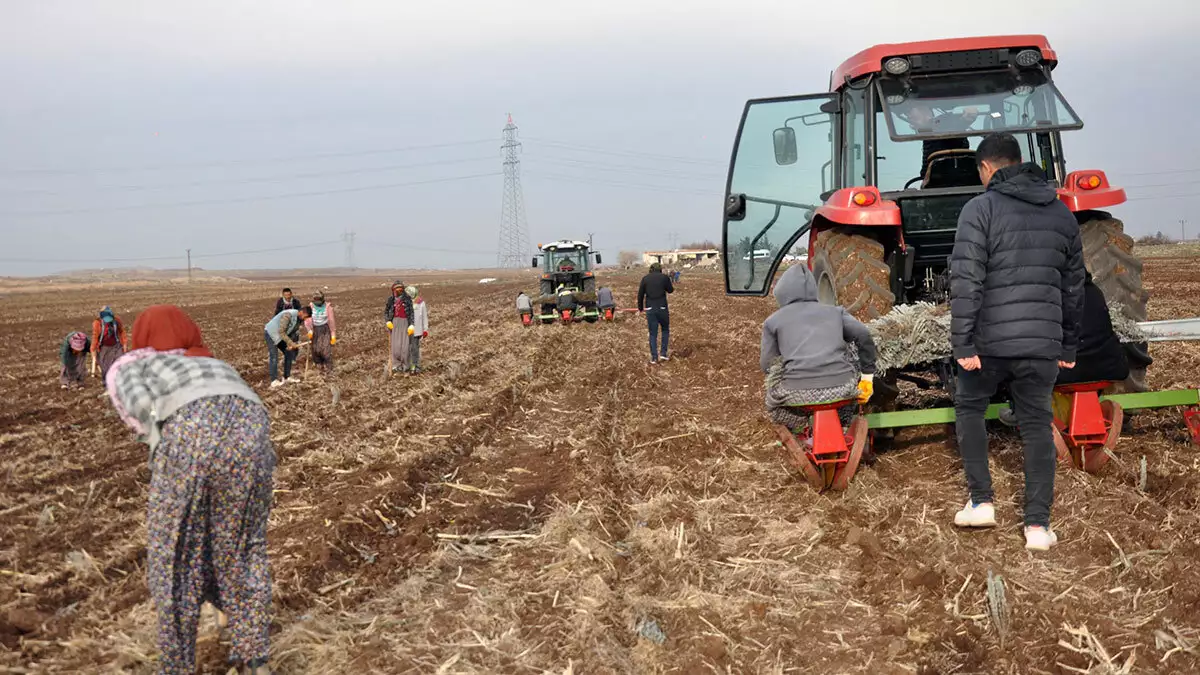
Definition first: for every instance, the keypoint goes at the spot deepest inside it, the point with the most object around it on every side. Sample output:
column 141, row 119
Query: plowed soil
column 543, row 500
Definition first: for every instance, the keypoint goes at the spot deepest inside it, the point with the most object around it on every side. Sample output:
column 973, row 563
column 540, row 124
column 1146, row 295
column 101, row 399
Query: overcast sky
column 139, row 129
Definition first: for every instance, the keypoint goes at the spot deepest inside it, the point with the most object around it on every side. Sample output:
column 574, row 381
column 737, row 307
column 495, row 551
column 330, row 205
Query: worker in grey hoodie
column 804, row 352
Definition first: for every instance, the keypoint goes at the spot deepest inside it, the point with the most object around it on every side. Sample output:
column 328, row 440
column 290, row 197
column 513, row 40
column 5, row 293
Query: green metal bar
column 1155, row 399
column 1137, row 401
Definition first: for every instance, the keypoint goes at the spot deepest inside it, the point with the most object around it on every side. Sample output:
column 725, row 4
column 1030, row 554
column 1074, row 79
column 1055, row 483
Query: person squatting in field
column 108, row 339
column 397, row 312
column 73, row 355
column 211, row 466
column 652, row 301
column 322, row 332
column 524, row 304
column 282, row 334
column 419, row 329
column 809, row 341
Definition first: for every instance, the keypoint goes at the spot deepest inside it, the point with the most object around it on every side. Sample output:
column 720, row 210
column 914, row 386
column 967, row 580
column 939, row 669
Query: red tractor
column 876, row 171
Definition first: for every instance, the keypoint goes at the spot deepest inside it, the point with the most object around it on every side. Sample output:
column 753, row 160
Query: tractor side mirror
column 597, row 258
column 535, row 263
column 784, row 139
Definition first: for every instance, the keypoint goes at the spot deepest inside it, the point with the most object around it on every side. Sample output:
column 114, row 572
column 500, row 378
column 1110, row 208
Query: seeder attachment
column 826, row 455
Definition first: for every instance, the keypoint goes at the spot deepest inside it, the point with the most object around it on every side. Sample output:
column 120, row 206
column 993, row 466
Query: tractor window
column 899, row 162
column 567, row 261
column 977, row 103
column 782, row 163
column 854, row 150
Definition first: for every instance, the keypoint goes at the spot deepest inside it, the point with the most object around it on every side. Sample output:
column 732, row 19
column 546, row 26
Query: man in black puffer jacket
column 1016, row 297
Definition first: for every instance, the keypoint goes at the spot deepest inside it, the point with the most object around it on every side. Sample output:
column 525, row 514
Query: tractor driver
column 921, row 118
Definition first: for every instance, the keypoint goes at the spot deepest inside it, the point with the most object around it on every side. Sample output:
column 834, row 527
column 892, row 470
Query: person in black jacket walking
column 1016, row 298
column 652, row 301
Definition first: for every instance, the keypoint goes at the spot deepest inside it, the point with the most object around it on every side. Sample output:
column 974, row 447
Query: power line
column 619, row 184
column 626, row 153
column 169, row 257
column 426, row 249
column 242, row 200
column 242, row 162
column 287, row 177
column 627, row 168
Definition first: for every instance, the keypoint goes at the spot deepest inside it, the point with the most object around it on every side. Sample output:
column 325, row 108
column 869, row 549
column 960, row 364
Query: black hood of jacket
column 1026, row 182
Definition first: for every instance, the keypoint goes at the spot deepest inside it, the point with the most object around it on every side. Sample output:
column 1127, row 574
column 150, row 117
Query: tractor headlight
column 897, row 65
column 1022, row 90
column 1028, row 57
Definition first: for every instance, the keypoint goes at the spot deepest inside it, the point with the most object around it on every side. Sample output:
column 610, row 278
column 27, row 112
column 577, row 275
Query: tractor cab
column 879, row 168
column 567, row 267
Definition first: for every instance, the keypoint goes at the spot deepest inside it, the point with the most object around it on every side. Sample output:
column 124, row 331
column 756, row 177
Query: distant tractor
column 567, row 291
column 876, row 171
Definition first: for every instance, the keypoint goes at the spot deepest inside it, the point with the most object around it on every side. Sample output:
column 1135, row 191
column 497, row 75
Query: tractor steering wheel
column 909, row 183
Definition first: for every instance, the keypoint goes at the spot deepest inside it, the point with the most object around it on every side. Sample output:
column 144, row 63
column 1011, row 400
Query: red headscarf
column 166, row 327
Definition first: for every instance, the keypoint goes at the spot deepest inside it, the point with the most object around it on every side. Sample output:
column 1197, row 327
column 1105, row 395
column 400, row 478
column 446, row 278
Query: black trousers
column 1031, row 384
column 655, row 319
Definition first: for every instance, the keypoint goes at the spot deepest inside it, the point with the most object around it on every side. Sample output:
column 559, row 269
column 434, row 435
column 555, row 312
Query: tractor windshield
column 566, row 261
column 973, row 104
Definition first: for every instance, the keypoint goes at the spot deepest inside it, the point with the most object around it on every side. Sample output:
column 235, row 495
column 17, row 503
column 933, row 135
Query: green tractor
column 876, row 171
column 567, row 291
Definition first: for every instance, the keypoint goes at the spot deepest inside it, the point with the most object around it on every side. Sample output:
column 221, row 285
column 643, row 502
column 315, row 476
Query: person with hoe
column 108, row 340
column 397, row 312
column 282, row 334
column 1016, row 298
column 652, row 301
column 211, row 466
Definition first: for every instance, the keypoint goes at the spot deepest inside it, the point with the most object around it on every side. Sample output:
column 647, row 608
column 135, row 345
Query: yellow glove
column 333, row 340
column 410, row 330
column 866, row 387
column 389, row 325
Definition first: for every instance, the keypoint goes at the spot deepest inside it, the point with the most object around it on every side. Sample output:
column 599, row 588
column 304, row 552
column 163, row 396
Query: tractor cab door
column 782, row 165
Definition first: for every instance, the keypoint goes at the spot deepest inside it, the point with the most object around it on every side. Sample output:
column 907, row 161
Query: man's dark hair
column 655, row 267
column 287, row 290
column 306, row 309
column 999, row 149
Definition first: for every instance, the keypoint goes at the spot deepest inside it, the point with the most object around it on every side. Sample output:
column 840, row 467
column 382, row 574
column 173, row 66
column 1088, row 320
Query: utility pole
column 674, row 238
column 189, row 252
column 1182, row 230
column 348, row 240
column 513, row 249
column 590, row 235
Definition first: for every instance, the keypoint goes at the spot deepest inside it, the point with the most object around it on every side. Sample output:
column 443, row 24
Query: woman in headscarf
column 322, row 332
column 108, row 340
column 211, row 465
column 73, row 354
column 420, row 328
column 398, row 314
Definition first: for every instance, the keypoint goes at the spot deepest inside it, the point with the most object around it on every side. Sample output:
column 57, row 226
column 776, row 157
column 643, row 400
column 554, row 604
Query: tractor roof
column 555, row 245
column 871, row 60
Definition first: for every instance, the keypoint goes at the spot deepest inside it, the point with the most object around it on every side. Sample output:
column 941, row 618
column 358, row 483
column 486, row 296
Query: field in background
column 541, row 500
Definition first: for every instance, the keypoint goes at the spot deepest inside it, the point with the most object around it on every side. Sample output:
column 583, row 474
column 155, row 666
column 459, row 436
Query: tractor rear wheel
column 1108, row 255
column 850, row 271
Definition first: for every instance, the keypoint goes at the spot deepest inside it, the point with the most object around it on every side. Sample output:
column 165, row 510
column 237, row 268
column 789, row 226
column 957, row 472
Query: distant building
column 680, row 256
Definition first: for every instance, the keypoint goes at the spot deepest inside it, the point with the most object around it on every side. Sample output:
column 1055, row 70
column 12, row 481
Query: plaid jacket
column 147, row 387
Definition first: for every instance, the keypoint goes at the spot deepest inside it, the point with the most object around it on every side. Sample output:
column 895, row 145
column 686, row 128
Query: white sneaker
column 277, row 384
column 1038, row 538
column 664, row 357
column 976, row 515
column 293, row 380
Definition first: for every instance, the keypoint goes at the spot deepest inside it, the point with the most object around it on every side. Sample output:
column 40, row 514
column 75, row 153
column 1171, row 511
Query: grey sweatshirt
column 811, row 337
